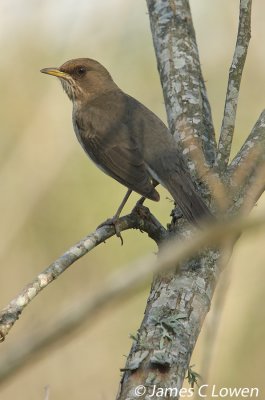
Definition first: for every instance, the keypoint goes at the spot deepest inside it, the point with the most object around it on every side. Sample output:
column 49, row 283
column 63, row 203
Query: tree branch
column 178, row 302
column 122, row 284
column 234, row 81
column 250, row 154
column 140, row 218
column 180, row 73
column 245, row 174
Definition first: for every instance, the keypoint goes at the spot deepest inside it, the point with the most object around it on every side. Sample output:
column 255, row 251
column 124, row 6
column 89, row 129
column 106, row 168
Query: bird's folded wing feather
column 123, row 161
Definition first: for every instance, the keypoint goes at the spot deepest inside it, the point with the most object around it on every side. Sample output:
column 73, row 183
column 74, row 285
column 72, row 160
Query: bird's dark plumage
column 124, row 138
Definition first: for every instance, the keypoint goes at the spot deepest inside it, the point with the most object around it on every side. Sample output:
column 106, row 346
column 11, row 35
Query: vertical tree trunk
column 178, row 302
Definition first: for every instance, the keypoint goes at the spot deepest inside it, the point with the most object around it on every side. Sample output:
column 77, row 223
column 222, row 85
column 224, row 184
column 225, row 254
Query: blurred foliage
column 51, row 195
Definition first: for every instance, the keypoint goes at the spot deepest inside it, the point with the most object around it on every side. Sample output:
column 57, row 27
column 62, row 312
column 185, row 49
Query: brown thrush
column 125, row 139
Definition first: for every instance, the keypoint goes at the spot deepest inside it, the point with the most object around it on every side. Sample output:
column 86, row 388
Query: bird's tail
column 189, row 201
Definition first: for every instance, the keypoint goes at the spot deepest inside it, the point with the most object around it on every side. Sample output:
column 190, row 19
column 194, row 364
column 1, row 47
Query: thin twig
column 119, row 284
column 247, row 158
column 146, row 222
column 245, row 174
column 254, row 189
column 234, row 80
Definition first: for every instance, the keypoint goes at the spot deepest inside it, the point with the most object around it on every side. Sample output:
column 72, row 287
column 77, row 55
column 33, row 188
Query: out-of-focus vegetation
column 51, row 194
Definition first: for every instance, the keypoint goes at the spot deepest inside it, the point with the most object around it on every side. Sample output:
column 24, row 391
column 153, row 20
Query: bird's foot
column 114, row 221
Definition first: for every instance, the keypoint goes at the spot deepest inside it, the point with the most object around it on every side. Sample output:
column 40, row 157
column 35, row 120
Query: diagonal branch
column 250, row 153
column 234, row 81
column 145, row 222
column 245, row 174
column 180, row 73
column 118, row 285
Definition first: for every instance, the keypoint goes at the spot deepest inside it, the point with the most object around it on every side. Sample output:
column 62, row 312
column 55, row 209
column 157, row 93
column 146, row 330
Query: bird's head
column 82, row 78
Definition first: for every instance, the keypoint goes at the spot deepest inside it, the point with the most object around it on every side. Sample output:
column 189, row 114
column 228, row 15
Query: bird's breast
column 89, row 140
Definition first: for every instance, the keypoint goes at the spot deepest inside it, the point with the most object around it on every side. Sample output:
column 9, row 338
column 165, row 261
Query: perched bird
column 125, row 139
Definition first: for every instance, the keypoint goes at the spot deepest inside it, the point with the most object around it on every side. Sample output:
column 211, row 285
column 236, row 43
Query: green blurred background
column 52, row 195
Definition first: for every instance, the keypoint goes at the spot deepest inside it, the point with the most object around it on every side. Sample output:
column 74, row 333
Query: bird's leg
column 113, row 221
column 138, row 207
column 124, row 201
column 140, row 202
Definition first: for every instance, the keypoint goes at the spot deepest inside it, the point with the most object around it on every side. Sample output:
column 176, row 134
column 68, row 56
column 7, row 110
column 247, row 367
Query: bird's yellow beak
column 54, row 72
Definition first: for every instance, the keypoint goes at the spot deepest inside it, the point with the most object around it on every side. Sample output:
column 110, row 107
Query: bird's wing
column 119, row 156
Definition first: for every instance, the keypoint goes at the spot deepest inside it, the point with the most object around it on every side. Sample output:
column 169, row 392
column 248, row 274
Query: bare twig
column 253, row 189
column 119, row 284
column 234, row 80
column 146, row 222
column 245, row 174
column 249, row 155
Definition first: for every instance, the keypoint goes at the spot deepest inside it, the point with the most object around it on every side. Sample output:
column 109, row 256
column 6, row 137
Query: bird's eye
column 80, row 71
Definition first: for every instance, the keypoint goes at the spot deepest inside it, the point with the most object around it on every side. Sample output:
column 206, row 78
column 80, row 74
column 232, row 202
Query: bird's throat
column 71, row 88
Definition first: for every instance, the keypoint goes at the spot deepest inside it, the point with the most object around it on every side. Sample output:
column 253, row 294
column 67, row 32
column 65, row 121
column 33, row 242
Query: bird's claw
column 115, row 223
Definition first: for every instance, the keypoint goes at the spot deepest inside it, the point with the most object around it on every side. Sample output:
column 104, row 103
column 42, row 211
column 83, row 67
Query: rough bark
column 180, row 73
column 178, row 302
column 234, row 81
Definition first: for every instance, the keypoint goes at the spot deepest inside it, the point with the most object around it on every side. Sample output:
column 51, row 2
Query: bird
column 125, row 139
